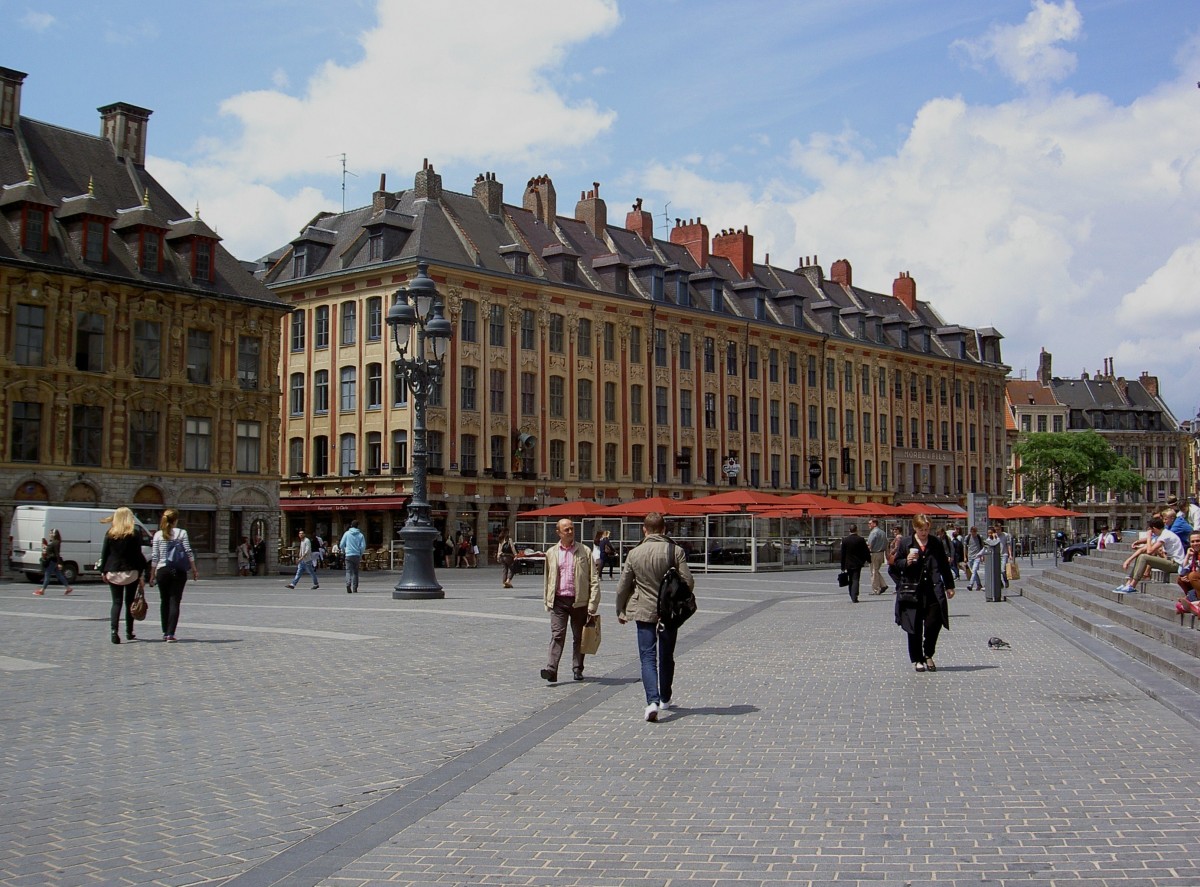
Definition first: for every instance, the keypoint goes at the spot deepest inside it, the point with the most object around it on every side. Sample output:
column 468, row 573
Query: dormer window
column 95, row 240
column 926, row 341
column 879, row 331
column 520, row 264
column 570, row 269
column 656, row 286
column 150, row 250
column 202, row 260
column 299, row 262
column 716, row 302
column 375, row 247
column 34, row 229
column 903, row 337
column 760, row 308
column 862, row 328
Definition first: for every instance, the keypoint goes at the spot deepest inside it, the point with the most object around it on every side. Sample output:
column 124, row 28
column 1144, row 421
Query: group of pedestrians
column 571, row 594
column 127, row 571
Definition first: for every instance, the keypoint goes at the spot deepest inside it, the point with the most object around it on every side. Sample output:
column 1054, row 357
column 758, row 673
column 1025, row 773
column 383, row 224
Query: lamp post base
column 418, row 580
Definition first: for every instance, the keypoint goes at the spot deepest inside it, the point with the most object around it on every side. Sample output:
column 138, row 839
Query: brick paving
column 318, row 738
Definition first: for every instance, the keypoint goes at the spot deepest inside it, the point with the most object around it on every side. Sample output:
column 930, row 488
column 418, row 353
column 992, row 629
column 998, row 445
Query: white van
column 82, row 531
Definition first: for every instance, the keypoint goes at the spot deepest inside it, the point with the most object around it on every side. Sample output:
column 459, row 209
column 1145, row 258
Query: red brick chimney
column 1044, row 374
column 592, row 211
column 428, row 184
column 640, row 222
column 840, row 272
column 737, row 247
column 381, row 199
column 489, row 192
column 1150, row 383
column 904, row 288
column 694, row 236
column 541, row 200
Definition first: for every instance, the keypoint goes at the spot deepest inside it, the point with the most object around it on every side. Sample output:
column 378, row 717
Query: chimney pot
column 693, row 236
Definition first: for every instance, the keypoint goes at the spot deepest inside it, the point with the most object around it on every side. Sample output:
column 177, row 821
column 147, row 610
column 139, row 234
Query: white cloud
column 1066, row 221
column 252, row 218
column 37, row 21
column 483, row 93
column 463, row 92
column 1027, row 53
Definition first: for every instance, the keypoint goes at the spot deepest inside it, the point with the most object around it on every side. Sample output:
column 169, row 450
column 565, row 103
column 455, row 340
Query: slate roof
column 455, row 229
column 76, row 174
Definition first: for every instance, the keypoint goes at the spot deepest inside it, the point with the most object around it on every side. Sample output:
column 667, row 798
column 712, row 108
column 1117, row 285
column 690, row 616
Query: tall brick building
column 138, row 356
column 597, row 360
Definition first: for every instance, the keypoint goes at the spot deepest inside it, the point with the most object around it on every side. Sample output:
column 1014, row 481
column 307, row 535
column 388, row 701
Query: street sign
column 731, row 468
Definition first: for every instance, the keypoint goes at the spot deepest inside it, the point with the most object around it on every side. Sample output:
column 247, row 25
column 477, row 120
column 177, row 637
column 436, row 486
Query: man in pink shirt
column 572, row 595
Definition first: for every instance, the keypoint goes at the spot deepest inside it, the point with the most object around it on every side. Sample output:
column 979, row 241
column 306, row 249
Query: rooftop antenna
column 345, row 172
column 667, row 218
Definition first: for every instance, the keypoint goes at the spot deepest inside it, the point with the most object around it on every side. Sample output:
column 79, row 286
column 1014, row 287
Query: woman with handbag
column 924, row 585
column 170, row 561
column 125, row 569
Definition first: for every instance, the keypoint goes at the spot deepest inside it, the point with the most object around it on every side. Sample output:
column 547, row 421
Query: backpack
column 893, row 547
column 177, row 557
column 676, row 601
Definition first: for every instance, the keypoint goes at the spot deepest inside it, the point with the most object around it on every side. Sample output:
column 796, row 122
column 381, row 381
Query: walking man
column 637, row 599
column 353, row 544
column 877, row 543
column 572, row 595
column 855, row 554
column 304, row 562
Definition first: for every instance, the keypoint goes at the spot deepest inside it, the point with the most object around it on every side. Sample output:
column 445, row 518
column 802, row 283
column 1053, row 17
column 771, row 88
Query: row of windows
column 843, row 473
column 145, row 441
column 347, row 317
column 91, row 347
column 468, row 328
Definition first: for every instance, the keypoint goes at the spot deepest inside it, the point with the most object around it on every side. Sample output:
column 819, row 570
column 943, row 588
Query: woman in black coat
column 122, row 552
column 924, row 584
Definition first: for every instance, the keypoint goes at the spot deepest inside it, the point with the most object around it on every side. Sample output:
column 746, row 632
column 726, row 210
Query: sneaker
column 39, row 592
column 666, row 705
column 652, row 712
column 1125, row 589
column 170, row 639
column 289, row 585
column 69, row 590
column 315, row 587
column 349, row 590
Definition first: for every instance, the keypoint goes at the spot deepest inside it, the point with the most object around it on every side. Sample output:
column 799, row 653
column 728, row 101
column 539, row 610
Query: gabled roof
column 79, row 174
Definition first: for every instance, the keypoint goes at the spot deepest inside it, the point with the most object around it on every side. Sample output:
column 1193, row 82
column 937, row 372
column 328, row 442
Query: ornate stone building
column 138, row 357
column 595, row 360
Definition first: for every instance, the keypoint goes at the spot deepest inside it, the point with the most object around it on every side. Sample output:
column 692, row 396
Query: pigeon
column 998, row 643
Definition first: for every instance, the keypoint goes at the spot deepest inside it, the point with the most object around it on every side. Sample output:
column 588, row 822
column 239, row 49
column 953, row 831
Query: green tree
column 1072, row 461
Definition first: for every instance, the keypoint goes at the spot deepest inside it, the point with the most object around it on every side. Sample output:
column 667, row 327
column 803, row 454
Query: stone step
column 1148, row 638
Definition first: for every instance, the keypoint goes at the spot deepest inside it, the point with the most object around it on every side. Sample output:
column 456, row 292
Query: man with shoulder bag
column 646, row 566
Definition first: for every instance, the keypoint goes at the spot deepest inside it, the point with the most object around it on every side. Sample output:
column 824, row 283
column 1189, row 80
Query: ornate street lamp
column 419, row 306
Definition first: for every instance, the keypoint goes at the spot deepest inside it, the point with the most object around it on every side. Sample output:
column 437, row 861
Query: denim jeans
column 306, row 567
column 352, row 564
column 656, row 649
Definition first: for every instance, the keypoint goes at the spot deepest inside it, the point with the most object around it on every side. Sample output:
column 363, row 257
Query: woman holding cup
column 924, row 584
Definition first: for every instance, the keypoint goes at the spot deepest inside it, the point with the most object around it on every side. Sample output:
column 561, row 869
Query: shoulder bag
column 139, row 606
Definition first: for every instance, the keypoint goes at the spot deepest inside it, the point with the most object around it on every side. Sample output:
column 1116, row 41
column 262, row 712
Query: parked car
column 1083, row 548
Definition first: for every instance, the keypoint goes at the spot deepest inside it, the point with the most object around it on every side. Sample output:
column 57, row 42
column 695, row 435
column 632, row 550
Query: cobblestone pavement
column 319, row 738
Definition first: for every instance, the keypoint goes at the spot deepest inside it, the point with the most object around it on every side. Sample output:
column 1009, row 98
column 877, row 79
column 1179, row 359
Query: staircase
column 1144, row 626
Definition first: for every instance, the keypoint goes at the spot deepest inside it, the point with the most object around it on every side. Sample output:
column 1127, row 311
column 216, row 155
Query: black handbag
column 906, row 595
column 843, row 579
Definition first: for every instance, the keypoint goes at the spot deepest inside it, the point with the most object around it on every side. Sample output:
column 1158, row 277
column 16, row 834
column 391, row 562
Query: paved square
column 305, row 738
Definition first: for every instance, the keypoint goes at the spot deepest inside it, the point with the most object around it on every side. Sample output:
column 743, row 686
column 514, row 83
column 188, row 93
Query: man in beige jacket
column 572, row 595
column 637, row 599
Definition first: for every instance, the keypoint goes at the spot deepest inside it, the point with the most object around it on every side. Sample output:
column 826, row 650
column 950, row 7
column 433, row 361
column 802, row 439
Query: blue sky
column 1032, row 163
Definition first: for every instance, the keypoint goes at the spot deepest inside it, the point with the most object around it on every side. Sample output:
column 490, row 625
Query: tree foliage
column 1070, row 462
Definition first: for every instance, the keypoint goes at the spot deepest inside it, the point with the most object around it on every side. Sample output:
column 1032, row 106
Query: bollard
column 994, row 589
